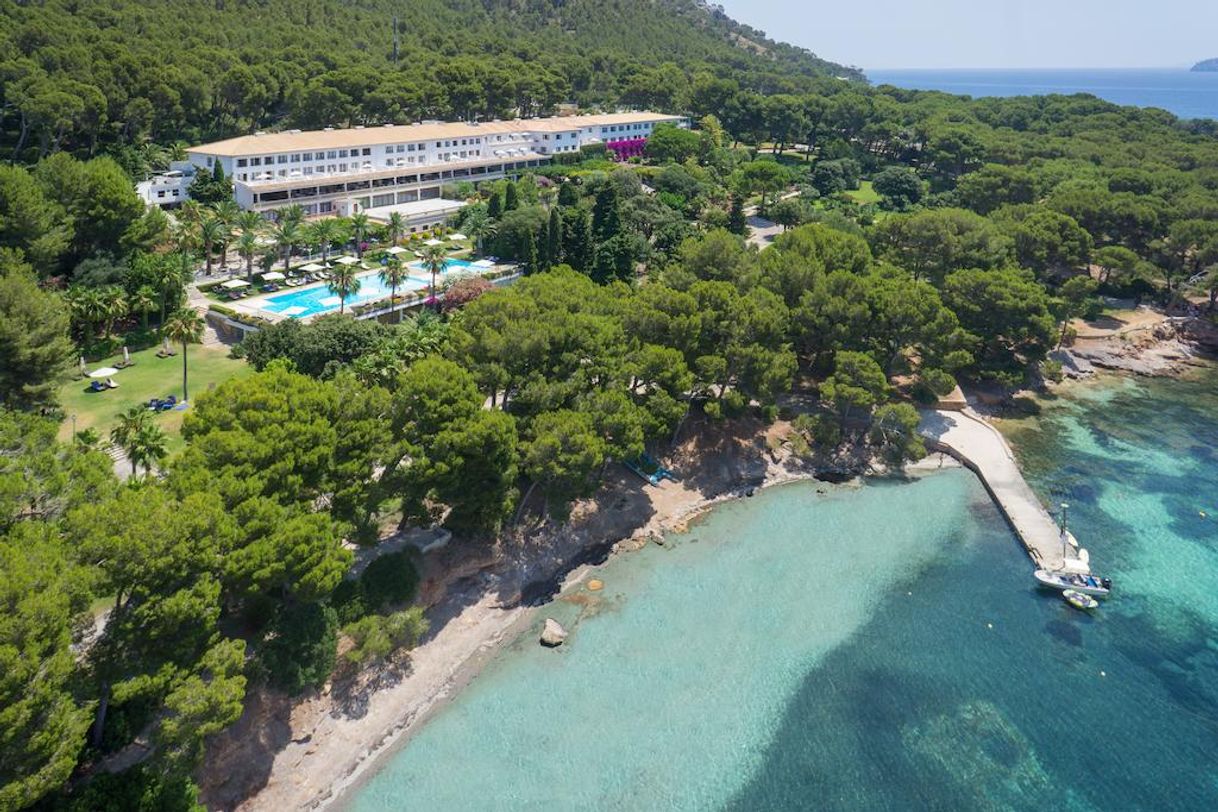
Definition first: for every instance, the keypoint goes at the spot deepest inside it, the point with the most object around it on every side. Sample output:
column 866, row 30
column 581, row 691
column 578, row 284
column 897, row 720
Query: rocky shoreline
column 305, row 753
column 1169, row 347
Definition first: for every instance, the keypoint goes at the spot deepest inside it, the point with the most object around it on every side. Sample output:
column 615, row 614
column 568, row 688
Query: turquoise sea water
column 1180, row 91
column 880, row 647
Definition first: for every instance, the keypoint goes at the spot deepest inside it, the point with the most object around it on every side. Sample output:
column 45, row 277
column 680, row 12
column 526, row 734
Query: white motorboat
column 1080, row 582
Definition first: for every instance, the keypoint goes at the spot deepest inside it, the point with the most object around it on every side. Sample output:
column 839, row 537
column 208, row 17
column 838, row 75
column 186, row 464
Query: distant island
column 1207, row 66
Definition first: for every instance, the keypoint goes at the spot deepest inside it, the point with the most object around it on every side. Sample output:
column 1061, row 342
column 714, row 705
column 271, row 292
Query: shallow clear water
column 876, row 648
column 1177, row 90
column 311, row 301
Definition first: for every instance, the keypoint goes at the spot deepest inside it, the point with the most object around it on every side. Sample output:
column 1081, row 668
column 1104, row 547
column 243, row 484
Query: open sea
column 1178, row 90
column 876, row 648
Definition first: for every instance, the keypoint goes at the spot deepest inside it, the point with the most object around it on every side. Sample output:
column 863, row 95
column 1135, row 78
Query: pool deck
column 983, row 450
column 254, row 305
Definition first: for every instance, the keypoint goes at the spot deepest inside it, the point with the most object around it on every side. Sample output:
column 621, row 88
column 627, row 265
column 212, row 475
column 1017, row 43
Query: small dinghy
column 1078, row 600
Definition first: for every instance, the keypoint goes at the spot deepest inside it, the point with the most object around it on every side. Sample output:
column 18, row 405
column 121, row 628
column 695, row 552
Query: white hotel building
column 391, row 167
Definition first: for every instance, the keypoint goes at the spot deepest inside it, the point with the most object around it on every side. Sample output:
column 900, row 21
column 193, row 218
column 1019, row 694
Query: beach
column 302, row 755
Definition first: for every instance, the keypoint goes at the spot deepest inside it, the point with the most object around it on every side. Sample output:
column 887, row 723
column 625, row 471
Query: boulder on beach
column 552, row 634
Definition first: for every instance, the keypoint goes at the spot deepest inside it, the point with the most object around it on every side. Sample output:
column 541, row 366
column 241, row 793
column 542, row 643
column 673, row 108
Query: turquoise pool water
column 312, row 301
column 883, row 647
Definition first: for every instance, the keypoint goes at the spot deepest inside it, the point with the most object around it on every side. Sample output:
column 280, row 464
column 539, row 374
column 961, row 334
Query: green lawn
column 864, row 194
column 150, row 377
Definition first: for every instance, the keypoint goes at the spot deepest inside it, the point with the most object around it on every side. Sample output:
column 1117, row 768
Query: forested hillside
column 87, row 75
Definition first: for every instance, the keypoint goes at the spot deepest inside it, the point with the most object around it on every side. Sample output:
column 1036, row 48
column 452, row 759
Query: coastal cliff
column 1206, row 66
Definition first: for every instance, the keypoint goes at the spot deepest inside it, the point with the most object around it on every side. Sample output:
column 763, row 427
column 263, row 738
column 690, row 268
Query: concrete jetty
column 984, row 451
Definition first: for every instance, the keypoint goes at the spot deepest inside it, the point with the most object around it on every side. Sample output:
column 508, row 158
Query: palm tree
column 359, row 230
column 184, row 326
column 393, row 274
column 395, row 227
column 287, row 237
column 88, row 307
column 434, row 258
column 114, row 307
column 169, row 282
column 190, row 212
column 292, row 214
column 227, row 212
column 143, row 301
column 211, row 233
column 127, row 429
column 327, row 232
column 479, row 225
column 149, row 445
column 247, row 247
column 344, row 283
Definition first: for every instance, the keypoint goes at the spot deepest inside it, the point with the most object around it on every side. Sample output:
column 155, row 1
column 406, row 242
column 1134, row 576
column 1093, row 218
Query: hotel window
column 401, row 148
column 342, row 153
column 255, row 162
column 161, row 193
column 389, row 150
column 438, row 145
column 410, row 147
column 281, row 159
column 270, row 159
column 307, row 156
column 295, row 157
column 242, row 162
column 342, row 167
column 308, row 170
column 332, row 154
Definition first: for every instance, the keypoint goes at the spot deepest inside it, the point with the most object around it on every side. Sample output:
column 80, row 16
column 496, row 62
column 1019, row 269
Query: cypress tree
column 735, row 217
column 606, row 214
column 568, row 195
column 511, row 200
column 554, row 238
column 578, row 246
column 494, row 208
column 543, row 248
column 529, row 254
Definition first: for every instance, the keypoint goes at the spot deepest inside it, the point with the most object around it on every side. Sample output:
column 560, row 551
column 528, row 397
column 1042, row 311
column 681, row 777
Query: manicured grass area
column 151, row 377
column 864, row 194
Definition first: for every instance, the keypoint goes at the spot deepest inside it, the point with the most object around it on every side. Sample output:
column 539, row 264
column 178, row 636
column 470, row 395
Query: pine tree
column 735, row 217
column 554, row 238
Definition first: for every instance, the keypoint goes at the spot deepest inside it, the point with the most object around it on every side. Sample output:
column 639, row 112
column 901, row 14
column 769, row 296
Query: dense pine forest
column 930, row 240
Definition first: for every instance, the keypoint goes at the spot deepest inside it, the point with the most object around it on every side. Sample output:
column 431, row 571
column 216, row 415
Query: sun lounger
column 97, row 386
column 110, row 384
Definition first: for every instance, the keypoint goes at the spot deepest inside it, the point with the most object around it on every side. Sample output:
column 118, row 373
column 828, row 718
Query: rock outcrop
column 553, row 634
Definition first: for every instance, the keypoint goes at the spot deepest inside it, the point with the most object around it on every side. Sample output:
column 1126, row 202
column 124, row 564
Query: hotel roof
column 291, row 140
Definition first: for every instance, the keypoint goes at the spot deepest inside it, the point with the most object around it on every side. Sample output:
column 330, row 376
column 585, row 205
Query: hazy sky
column 992, row 33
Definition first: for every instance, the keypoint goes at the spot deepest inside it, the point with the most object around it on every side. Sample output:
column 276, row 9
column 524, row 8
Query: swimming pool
column 318, row 299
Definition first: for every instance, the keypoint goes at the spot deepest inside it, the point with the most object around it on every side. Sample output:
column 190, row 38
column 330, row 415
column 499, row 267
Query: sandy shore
column 302, row 754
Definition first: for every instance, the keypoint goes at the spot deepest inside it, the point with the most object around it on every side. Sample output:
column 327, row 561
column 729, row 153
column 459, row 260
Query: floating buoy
column 1102, row 674
column 989, row 625
column 1202, row 512
column 596, row 585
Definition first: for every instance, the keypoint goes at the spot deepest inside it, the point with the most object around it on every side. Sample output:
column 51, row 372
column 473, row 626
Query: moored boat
column 1078, row 600
column 1085, row 583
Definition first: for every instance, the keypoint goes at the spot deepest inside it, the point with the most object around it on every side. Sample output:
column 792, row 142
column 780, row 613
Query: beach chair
column 97, row 386
column 110, row 384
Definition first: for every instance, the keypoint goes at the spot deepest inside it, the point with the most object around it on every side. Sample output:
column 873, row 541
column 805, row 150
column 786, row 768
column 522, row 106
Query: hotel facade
column 391, row 167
